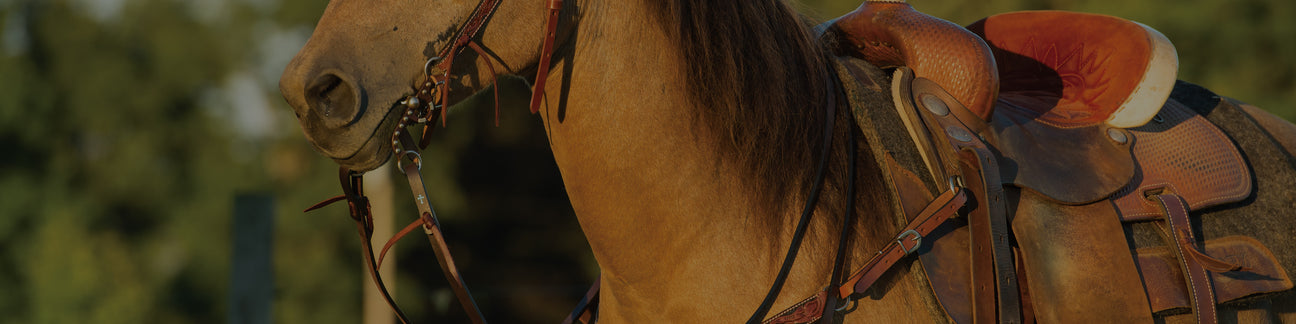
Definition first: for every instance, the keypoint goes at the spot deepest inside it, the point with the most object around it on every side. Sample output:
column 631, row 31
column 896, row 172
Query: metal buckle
column 848, row 303
column 401, row 159
column 917, row 238
column 432, row 61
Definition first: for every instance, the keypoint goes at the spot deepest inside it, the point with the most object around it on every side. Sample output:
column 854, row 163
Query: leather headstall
column 431, row 94
column 433, row 91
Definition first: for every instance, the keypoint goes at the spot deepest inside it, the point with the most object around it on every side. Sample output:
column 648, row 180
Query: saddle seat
column 1071, row 69
column 1068, row 69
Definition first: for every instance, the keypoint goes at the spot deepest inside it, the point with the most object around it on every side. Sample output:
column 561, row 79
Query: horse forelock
column 758, row 77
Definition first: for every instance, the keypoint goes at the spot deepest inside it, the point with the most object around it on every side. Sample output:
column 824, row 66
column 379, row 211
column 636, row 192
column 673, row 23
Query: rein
column 808, row 211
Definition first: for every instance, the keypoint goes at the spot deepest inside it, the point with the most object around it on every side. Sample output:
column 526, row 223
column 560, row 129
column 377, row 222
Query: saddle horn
column 891, row 33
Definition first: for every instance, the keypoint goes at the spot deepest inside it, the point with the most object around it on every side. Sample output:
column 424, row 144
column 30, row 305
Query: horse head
column 348, row 84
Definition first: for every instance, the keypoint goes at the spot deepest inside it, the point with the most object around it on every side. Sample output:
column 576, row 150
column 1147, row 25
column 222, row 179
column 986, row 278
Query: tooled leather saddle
column 1086, row 139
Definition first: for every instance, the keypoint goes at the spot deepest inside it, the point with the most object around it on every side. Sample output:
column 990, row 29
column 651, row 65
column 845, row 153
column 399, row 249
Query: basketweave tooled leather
column 1185, row 154
column 892, row 34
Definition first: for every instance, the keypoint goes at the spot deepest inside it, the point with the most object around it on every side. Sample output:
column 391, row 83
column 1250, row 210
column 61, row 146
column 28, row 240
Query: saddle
column 1082, row 125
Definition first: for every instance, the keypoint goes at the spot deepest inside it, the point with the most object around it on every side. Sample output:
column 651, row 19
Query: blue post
column 251, row 289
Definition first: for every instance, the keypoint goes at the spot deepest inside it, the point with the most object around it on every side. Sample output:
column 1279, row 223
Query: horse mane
column 759, row 76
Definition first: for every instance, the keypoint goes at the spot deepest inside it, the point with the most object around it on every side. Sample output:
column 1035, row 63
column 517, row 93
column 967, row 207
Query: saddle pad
column 1167, row 291
column 1183, row 153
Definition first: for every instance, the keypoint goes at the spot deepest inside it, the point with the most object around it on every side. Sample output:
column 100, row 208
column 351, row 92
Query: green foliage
column 117, row 174
column 121, row 160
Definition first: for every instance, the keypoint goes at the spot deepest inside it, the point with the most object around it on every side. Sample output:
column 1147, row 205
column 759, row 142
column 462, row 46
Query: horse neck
column 671, row 221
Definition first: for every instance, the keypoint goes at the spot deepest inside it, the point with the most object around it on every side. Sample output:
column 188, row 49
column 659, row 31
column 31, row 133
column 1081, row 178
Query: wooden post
column 378, row 187
column 251, row 288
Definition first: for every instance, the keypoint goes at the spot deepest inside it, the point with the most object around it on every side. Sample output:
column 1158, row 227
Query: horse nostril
column 327, row 86
column 334, row 99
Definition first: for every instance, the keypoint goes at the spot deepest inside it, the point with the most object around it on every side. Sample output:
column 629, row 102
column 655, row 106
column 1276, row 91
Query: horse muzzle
column 336, row 114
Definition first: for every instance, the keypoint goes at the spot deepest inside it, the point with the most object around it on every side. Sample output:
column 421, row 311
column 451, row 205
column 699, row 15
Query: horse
column 688, row 134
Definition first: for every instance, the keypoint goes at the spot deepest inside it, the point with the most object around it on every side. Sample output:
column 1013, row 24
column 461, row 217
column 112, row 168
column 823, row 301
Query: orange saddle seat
column 1070, row 69
column 1064, row 69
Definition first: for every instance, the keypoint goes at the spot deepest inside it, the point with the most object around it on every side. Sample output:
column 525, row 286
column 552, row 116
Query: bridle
column 429, row 99
column 433, row 91
column 430, row 96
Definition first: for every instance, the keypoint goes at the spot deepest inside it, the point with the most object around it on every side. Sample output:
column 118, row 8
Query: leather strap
column 1027, row 304
column 843, row 239
column 994, row 286
column 436, row 83
column 433, row 230
column 472, row 27
column 432, row 91
column 906, row 242
column 587, row 309
column 807, row 310
column 353, row 193
column 1180, row 234
column 936, row 212
column 996, row 294
column 546, row 54
column 431, row 94
column 994, row 281
column 811, row 201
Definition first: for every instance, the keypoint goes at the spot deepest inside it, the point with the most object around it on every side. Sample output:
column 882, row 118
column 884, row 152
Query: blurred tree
column 118, row 172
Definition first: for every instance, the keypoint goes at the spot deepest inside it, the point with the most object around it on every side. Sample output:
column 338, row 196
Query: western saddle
column 1063, row 128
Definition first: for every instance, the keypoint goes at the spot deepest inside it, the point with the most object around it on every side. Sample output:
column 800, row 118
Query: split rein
column 353, row 193
column 431, row 95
